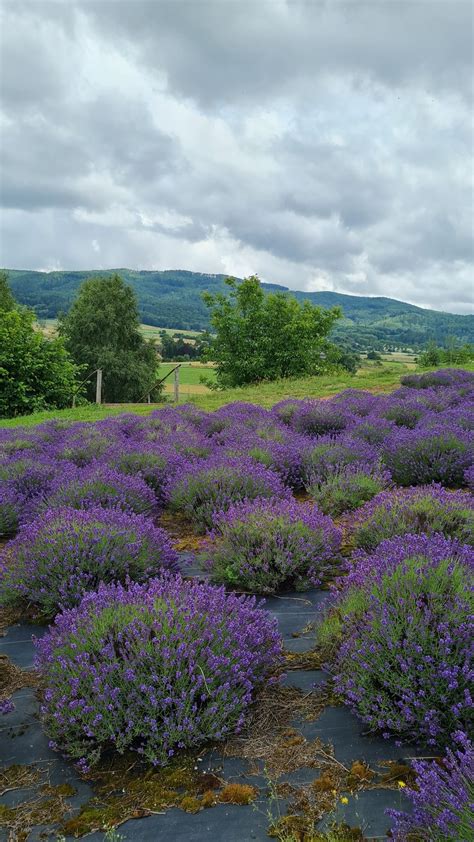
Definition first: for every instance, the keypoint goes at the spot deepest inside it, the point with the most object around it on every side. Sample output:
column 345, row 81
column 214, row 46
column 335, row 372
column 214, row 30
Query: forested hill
column 173, row 299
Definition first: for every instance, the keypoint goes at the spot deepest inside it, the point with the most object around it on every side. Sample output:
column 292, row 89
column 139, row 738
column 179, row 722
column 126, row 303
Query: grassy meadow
column 373, row 377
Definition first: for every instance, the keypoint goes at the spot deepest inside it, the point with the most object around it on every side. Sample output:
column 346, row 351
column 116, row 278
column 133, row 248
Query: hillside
column 173, row 299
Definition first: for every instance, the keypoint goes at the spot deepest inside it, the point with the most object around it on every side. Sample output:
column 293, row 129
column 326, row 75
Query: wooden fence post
column 98, row 388
column 176, row 384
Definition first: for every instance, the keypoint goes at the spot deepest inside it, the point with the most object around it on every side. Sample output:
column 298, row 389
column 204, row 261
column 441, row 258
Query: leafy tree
column 7, row 302
column 102, row 330
column 263, row 336
column 35, row 373
column 453, row 354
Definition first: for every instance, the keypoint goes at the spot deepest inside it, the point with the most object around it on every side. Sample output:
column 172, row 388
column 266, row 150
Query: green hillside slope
column 173, row 299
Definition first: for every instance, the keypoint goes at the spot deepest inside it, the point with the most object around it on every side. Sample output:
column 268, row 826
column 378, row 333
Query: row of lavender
column 397, row 636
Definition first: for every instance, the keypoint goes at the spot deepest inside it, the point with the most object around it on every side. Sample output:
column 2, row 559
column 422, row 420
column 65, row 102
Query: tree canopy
column 35, row 372
column 266, row 336
column 102, row 330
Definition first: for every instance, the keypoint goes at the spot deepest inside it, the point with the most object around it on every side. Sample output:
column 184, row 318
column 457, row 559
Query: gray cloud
column 321, row 144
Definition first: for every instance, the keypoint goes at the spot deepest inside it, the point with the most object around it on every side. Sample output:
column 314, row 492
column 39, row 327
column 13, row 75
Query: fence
column 146, row 397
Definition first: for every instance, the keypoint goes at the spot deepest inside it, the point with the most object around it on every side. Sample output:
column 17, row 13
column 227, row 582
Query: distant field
column 49, row 326
column 189, row 378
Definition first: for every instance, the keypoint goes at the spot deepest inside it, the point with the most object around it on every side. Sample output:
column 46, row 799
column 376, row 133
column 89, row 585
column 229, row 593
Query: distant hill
column 173, row 299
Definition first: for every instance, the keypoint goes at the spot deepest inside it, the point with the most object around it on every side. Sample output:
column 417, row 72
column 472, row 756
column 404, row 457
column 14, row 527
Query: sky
column 323, row 145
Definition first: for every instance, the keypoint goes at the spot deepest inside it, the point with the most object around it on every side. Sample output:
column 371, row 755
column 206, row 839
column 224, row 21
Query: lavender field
column 242, row 624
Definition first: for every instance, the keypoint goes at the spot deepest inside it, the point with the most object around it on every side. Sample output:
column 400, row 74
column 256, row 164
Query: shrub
column 357, row 402
column 373, row 430
column 425, row 509
column 401, row 637
column 266, row 545
column 28, row 477
column 329, row 456
column 54, row 560
column 35, row 373
column 443, row 799
column 348, row 489
column 319, row 418
column 438, row 379
column 153, row 668
column 405, row 414
column 12, row 506
column 284, row 410
column 424, row 455
column 215, row 484
column 469, row 477
column 83, row 446
column 154, row 465
column 98, row 485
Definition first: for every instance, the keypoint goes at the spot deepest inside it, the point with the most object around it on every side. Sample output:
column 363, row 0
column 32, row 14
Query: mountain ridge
column 172, row 298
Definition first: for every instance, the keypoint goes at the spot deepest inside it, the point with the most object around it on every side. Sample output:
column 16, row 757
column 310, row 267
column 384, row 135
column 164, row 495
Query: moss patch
column 46, row 806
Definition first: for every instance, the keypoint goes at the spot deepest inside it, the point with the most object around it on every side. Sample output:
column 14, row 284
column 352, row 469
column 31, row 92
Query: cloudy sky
column 321, row 144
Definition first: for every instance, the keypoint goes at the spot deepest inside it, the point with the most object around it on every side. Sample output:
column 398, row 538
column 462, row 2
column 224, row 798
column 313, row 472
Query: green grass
column 189, row 373
column 374, row 378
column 91, row 412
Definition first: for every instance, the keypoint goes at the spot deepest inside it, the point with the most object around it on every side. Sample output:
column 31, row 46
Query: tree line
column 257, row 336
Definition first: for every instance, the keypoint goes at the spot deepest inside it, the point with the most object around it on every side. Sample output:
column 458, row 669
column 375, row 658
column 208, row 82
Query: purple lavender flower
column 443, row 799
column 349, row 487
column 215, row 484
column 55, row 559
column 98, row 485
column 428, row 454
column 153, row 463
column 401, row 630
column 443, row 377
column 6, row 706
column 412, row 511
column 266, row 545
column 153, row 668
column 319, row 418
column 469, row 477
column 328, row 456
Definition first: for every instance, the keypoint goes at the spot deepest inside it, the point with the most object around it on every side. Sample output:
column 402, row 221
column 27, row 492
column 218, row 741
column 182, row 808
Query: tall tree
column 263, row 336
column 102, row 330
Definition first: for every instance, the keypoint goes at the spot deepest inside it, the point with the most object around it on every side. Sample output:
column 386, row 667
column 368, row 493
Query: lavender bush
column 155, row 465
column 443, row 377
column 412, row 511
column 12, row 505
column 424, row 455
column 99, row 485
column 469, row 477
column 153, row 668
column 443, row 799
column 329, row 456
column 57, row 558
column 215, row 484
column 319, row 418
column 348, row 488
column 266, row 545
column 400, row 638
column 83, row 444
column 373, row 430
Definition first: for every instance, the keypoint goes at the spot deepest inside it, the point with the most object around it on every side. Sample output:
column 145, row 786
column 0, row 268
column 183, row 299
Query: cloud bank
column 322, row 145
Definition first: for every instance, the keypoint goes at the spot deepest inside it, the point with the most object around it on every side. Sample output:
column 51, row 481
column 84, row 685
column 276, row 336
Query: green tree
column 102, row 330
column 35, row 373
column 7, row 302
column 263, row 336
